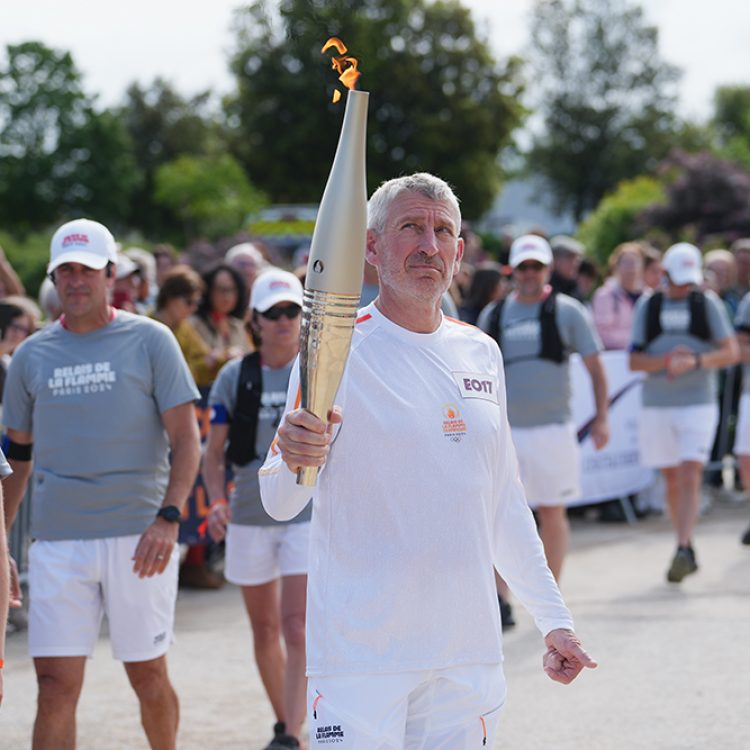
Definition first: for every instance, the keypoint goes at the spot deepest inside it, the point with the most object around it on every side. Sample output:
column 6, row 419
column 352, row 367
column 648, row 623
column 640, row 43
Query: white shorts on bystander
column 259, row 554
column 74, row 582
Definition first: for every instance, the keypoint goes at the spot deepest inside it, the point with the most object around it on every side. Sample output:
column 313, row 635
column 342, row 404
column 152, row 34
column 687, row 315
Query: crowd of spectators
column 217, row 302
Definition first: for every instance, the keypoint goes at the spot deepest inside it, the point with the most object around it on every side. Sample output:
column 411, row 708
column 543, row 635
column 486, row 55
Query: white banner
column 614, row 471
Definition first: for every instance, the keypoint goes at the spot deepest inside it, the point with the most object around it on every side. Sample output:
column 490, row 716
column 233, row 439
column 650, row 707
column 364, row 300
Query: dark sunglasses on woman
column 274, row 313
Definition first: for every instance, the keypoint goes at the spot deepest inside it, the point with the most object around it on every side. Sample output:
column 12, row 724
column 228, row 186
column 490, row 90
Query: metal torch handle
column 327, row 324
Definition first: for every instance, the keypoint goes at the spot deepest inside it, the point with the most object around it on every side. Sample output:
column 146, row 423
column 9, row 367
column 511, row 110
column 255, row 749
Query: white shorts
column 673, row 434
column 446, row 709
column 742, row 433
column 550, row 463
column 259, row 554
column 73, row 583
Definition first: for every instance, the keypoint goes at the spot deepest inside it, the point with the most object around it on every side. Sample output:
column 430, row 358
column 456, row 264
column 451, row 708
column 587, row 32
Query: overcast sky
column 188, row 43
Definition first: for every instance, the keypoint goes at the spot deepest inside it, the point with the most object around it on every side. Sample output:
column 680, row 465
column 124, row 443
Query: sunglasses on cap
column 276, row 312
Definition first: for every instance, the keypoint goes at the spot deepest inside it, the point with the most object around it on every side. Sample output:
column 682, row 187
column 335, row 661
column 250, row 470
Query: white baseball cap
column 246, row 249
column 274, row 286
column 82, row 241
column 530, row 247
column 684, row 264
column 125, row 266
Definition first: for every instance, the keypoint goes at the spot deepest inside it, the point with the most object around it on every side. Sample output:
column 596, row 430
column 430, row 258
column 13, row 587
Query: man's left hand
column 154, row 548
column 16, row 593
column 600, row 432
column 565, row 657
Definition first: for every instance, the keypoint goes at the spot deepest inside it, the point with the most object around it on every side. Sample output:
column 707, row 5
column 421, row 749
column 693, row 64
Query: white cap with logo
column 82, row 241
column 274, row 286
column 683, row 263
column 530, row 247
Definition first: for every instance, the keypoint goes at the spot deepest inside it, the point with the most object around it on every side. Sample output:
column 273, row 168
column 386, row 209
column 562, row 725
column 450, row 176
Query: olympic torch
column 333, row 283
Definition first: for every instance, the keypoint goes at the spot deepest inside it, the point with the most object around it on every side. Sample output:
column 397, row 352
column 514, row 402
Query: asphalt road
column 674, row 668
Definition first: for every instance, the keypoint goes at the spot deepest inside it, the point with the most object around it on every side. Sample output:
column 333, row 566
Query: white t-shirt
column 419, row 498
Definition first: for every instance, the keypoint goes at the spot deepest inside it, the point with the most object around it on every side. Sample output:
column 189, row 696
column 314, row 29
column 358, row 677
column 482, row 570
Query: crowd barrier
column 615, row 471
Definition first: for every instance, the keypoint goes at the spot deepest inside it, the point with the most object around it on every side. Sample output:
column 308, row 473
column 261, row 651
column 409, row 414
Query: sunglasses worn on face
column 529, row 267
column 274, row 313
column 226, row 290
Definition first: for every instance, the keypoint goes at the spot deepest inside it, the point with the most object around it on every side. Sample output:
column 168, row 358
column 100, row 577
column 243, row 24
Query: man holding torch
column 417, row 499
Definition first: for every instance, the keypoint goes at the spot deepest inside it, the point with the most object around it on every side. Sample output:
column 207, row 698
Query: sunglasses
column 274, row 313
column 532, row 266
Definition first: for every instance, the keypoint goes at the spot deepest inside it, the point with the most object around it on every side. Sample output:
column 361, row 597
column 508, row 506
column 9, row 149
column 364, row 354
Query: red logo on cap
column 75, row 239
column 279, row 284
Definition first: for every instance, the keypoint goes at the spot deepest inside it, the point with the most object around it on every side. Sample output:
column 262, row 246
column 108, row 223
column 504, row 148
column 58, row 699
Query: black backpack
column 243, row 428
column 698, row 316
column 552, row 347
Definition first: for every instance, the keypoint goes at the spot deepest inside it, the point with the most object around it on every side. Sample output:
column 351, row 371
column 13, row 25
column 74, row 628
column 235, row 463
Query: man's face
column 678, row 291
column 419, row 249
column 724, row 274
column 566, row 264
column 248, row 267
column 530, row 277
column 82, row 290
column 742, row 257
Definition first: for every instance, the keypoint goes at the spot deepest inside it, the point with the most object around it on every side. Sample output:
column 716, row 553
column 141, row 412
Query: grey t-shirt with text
column 695, row 386
column 246, row 506
column 93, row 402
column 538, row 389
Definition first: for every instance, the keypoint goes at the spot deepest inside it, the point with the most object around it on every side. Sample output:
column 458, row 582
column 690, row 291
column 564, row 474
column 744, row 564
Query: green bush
column 614, row 219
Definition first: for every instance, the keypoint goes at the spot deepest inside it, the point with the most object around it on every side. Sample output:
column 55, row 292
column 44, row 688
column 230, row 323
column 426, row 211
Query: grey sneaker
column 281, row 740
column 683, row 564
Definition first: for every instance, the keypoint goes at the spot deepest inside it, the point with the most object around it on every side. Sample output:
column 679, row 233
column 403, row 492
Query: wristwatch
column 169, row 513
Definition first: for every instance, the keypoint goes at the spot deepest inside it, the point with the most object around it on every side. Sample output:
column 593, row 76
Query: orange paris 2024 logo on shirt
column 454, row 427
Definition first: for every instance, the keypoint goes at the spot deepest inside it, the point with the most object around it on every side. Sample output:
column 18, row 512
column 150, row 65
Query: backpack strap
column 552, row 348
column 699, row 315
column 243, row 428
column 653, row 317
column 493, row 324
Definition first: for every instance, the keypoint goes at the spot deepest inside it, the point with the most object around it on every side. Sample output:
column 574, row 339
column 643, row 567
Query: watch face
column 170, row 513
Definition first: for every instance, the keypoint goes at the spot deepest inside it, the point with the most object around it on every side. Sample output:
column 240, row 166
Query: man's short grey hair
column 422, row 182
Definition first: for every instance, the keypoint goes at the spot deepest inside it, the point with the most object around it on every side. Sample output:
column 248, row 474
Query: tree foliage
column 606, row 98
column 732, row 123
column 163, row 125
column 706, row 197
column 439, row 101
column 59, row 156
column 210, row 194
column 615, row 219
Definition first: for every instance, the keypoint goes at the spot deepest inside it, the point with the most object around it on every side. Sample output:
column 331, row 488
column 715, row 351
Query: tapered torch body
column 333, row 283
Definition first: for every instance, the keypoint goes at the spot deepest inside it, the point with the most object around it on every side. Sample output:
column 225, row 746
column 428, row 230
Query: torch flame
column 345, row 65
column 334, row 41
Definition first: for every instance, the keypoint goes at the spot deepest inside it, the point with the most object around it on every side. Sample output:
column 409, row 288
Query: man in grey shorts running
column 104, row 396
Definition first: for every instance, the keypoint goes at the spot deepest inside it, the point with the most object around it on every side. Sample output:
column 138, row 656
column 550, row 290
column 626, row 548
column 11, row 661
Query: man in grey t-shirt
column 104, row 396
column 680, row 337
column 537, row 329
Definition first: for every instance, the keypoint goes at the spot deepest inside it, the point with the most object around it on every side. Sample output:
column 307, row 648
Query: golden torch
column 337, row 254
